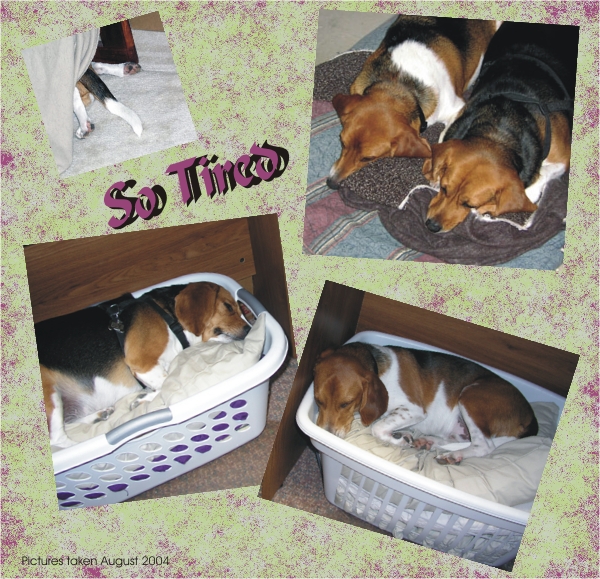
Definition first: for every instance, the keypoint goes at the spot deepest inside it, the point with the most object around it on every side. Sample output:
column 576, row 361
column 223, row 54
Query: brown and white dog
column 514, row 134
column 85, row 369
column 417, row 76
column 91, row 87
column 444, row 397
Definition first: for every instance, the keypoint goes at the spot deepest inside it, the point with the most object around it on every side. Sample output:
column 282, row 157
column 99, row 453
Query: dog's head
column 210, row 312
column 375, row 125
column 345, row 382
column 471, row 176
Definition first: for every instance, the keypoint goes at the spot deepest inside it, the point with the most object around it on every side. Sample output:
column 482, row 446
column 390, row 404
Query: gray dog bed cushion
column 388, row 184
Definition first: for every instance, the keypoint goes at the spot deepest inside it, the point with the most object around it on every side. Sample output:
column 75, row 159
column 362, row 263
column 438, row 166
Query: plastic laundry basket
column 166, row 443
column 407, row 504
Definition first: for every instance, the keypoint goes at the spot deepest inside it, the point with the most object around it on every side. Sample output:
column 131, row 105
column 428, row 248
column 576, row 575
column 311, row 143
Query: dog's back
column 552, row 44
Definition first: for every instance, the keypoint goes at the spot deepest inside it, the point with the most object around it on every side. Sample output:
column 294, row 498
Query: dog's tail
column 95, row 85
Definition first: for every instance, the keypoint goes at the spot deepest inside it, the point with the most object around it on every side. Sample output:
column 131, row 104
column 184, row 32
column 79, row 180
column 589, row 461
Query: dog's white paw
column 82, row 134
column 130, row 68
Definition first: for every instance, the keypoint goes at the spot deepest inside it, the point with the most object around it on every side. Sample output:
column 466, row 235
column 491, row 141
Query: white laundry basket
column 407, row 504
column 166, row 443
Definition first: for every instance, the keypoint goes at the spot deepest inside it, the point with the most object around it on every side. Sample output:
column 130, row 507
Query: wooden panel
column 543, row 365
column 269, row 282
column 65, row 276
column 334, row 323
column 150, row 21
column 117, row 44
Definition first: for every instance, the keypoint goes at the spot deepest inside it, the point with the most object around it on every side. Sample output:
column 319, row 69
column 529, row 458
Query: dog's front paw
column 449, row 458
column 146, row 396
column 403, row 438
column 104, row 414
column 130, row 68
column 423, row 443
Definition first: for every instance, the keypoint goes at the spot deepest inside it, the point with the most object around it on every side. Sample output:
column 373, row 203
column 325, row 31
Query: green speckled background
column 246, row 69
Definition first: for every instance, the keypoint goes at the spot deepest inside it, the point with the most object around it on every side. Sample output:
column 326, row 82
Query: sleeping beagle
column 91, row 358
column 394, row 390
column 90, row 86
column 417, row 76
column 514, row 134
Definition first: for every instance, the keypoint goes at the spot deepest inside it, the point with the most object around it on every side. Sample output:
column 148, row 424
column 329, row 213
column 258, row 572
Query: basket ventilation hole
column 217, row 415
column 178, row 448
column 78, row 476
column 72, row 504
column 173, row 437
column 162, row 468
column 138, row 477
column 156, row 458
column 238, row 403
column 183, row 458
column 242, row 427
column 219, row 427
column 134, row 468
column 195, row 426
column 60, row 485
column 223, row 438
column 240, row 416
column 118, row 488
column 150, row 447
column 127, row 457
column 200, row 437
column 103, row 467
column 94, row 496
column 87, row 487
column 110, row 477
column 203, row 449
column 64, row 496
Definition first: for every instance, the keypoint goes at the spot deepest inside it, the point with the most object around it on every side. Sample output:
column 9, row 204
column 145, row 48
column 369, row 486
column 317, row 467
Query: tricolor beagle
column 515, row 132
column 85, row 369
column 417, row 76
column 91, row 86
column 446, row 398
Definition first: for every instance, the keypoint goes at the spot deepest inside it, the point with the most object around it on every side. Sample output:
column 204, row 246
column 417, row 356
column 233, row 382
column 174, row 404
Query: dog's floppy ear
column 408, row 144
column 195, row 305
column 510, row 199
column 344, row 103
column 435, row 167
column 374, row 399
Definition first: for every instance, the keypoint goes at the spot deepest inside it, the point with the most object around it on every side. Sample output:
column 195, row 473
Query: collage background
column 246, row 70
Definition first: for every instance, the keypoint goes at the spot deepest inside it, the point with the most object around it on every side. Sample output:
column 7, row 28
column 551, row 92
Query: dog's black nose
column 433, row 226
column 332, row 183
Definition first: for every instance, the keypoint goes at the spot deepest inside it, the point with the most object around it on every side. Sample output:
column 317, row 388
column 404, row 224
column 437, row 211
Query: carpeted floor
column 242, row 467
column 155, row 94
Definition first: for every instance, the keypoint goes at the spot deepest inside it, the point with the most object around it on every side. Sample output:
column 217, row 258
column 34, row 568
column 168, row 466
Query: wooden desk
column 116, row 44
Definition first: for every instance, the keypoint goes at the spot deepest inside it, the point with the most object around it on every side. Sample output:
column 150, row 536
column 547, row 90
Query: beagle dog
column 446, row 398
column 514, row 134
column 417, row 76
column 90, row 86
column 93, row 357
